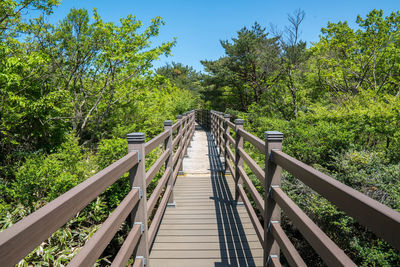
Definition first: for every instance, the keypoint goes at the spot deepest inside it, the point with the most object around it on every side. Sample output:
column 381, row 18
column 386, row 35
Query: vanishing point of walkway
column 206, row 228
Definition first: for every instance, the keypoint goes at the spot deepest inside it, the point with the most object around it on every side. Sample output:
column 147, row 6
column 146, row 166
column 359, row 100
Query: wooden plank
column 200, row 216
column 231, row 230
column 202, row 220
column 199, row 226
column 203, row 212
column 203, row 246
column 206, row 254
column 202, row 239
column 198, row 263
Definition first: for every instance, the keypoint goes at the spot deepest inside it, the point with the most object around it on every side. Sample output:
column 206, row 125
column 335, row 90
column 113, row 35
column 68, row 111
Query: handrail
column 230, row 139
column 157, row 218
column 151, row 173
column 382, row 220
column 22, row 237
column 157, row 191
column 253, row 191
column 253, row 217
column 290, row 252
column 322, row 244
column 89, row 253
column 155, row 142
column 365, row 210
column 254, row 140
column 127, row 248
column 231, row 124
column 252, row 164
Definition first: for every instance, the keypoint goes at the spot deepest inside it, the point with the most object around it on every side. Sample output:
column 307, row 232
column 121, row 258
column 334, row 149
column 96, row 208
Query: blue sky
column 199, row 25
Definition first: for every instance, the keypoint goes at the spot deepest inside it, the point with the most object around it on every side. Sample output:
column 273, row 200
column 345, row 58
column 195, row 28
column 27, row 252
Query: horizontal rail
column 157, row 191
column 221, row 129
column 330, row 253
column 176, row 125
column 127, row 248
column 274, row 262
column 24, row 236
column 138, row 262
column 157, row 217
column 252, row 139
column 230, row 124
column 253, row 191
column 175, row 173
column 176, row 156
column 252, row 164
column 176, row 140
column 230, row 139
column 290, row 252
column 253, row 217
column 93, row 248
column 155, row 142
column 157, row 166
column 230, row 166
column 379, row 218
column 230, row 154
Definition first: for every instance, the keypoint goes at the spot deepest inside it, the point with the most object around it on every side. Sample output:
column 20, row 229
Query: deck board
column 206, row 228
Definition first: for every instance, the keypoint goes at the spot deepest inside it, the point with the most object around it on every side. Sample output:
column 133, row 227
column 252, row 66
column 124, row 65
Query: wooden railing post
column 273, row 177
column 226, row 133
column 137, row 179
column 168, row 162
column 238, row 160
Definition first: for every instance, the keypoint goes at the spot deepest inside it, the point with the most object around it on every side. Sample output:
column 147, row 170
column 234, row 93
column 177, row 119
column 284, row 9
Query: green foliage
column 347, row 125
column 246, row 72
column 184, row 77
column 70, row 93
column 43, row 178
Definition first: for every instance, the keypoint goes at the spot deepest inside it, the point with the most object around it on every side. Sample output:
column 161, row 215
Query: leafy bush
column 44, row 177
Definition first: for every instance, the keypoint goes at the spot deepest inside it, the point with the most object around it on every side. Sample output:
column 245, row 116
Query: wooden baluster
column 137, row 179
column 238, row 160
column 168, row 162
column 273, row 177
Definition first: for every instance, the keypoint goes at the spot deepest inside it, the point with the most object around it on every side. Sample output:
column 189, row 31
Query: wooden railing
column 378, row 218
column 24, row 236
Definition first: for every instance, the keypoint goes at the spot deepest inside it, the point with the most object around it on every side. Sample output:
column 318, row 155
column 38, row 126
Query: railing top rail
column 252, row 139
column 29, row 232
column 156, row 141
column 382, row 220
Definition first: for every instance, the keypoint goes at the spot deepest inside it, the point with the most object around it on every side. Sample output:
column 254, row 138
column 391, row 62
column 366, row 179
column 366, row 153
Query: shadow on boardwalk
column 234, row 248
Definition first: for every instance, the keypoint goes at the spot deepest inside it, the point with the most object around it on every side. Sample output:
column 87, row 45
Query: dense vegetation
column 70, row 92
column 337, row 103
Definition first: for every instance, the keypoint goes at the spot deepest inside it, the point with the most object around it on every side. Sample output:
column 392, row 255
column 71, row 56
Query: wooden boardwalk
column 206, row 227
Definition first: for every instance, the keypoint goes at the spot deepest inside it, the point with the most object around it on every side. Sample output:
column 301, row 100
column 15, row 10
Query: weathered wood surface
column 206, row 228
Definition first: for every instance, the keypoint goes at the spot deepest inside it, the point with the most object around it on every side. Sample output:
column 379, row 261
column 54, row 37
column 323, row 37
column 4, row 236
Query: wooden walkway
column 206, row 227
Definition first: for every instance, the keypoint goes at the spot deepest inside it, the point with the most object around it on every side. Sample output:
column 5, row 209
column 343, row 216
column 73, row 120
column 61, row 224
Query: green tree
column 349, row 61
column 249, row 68
column 185, row 77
